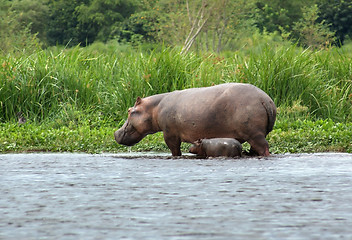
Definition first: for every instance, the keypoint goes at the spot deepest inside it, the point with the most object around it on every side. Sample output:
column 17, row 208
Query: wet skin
column 217, row 147
column 232, row 110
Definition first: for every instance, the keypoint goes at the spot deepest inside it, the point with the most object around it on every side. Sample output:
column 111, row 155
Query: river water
column 153, row 196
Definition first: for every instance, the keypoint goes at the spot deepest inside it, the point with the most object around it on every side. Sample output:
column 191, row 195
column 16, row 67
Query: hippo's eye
column 133, row 112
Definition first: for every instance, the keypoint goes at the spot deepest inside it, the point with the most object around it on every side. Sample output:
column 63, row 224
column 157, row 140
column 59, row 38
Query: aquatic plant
column 61, row 83
column 288, row 136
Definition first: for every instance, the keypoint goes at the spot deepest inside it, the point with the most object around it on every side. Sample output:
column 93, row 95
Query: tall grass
column 43, row 84
column 105, row 79
column 321, row 80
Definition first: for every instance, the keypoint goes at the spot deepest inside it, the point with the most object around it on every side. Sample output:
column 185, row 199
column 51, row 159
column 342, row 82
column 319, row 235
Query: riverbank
column 288, row 136
column 74, row 99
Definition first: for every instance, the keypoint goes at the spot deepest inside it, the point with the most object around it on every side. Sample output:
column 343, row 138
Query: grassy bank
column 287, row 137
column 74, row 99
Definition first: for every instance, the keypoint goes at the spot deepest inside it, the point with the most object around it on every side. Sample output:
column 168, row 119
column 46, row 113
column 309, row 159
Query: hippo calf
column 230, row 110
column 217, row 147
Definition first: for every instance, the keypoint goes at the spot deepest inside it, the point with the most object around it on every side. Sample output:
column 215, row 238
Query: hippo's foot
column 250, row 153
column 259, row 146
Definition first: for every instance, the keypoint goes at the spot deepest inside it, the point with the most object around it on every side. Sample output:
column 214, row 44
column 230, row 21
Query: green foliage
column 33, row 14
column 310, row 32
column 44, row 83
column 225, row 22
column 62, row 24
column 276, row 15
column 310, row 136
column 269, row 19
column 15, row 35
column 287, row 137
column 338, row 14
column 229, row 23
column 85, row 21
column 73, row 22
column 139, row 28
column 107, row 79
column 102, row 16
column 319, row 80
column 34, row 137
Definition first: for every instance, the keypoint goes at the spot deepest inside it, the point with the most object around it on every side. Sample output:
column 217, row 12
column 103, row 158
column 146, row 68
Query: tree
column 196, row 22
column 62, row 26
column 206, row 24
column 85, row 21
column 338, row 14
column 32, row 14
column 279, row 15
column 102, row 16
column 173, row 20
column 311, row 32
column 227, row 22
column 14, row 35
column 138, row 28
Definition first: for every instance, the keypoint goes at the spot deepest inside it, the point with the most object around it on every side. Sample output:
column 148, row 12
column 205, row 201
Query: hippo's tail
column 271, row 112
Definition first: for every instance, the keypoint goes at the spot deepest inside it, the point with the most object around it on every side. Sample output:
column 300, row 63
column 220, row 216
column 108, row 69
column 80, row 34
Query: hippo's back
column 217, row 147
column 231, row 93
column 230, row 110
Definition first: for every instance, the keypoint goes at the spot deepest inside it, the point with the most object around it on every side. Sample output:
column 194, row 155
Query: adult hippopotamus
column 217, row 147
column 230, row 110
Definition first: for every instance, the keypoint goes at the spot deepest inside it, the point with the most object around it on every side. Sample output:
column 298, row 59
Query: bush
column 138, row 28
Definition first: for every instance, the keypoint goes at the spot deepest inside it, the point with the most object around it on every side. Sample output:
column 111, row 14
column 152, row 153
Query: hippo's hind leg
column 259, row 145
column 174, row 144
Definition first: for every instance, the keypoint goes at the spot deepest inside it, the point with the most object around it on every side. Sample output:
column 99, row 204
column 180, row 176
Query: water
column 147, row 196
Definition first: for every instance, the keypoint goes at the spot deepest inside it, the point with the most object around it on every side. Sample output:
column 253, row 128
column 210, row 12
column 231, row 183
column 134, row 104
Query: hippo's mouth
column 127, row 135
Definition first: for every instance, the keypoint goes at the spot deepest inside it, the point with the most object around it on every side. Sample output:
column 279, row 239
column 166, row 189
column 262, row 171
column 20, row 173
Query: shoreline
column 288, row 136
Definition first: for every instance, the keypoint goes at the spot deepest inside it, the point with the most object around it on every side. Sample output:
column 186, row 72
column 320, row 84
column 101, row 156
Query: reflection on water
column 154, row 196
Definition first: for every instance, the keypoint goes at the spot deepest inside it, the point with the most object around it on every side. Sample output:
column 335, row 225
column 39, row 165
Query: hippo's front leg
column 174, row 144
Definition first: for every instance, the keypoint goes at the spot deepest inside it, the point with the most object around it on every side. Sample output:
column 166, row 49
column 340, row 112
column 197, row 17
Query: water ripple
column 153, row 196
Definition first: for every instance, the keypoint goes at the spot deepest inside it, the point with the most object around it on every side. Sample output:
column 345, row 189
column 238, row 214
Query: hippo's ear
column 138, row 101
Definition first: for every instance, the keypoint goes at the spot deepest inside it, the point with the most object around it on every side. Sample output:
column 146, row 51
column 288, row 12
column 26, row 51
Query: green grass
column 320, row 80
column 74, row 99
column 47, row 84
column 287, row 137
column 310, row 136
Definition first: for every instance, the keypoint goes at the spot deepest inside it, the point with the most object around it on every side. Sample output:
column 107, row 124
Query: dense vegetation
column 103, row 79
column 73, row 68
column 212, row 25
column 75, row 98
column 288, row 136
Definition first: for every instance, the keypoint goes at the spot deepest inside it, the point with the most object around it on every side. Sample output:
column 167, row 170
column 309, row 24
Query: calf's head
column 196, row 148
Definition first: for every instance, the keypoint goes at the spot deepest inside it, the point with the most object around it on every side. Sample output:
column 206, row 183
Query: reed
column 318, row 80
column 103, row 81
